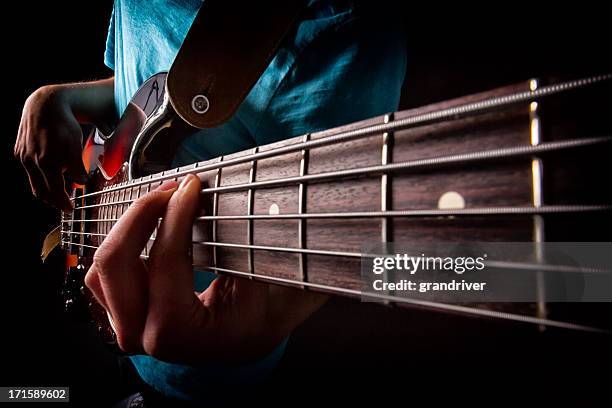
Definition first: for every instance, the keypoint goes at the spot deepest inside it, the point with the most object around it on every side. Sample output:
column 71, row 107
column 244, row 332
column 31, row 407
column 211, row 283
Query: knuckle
column 150, row 203
column 91, row 279
column 104, row 258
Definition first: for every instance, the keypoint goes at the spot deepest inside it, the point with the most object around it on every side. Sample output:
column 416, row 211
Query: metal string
column 546, row 209
column 394, row 167
column 411, row 121
column 423, row 303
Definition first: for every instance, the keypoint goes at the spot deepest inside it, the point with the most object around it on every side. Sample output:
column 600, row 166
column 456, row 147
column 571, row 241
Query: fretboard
column 488, row 167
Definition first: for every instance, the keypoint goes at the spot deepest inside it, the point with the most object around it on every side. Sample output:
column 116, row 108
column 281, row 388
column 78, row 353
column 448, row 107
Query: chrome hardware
column 200, row 104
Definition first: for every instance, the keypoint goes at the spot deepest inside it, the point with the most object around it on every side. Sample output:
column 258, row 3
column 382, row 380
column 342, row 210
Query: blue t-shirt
column 331, row 70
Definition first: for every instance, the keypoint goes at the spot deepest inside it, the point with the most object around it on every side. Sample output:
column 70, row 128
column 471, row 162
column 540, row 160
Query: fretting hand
column 153, row 305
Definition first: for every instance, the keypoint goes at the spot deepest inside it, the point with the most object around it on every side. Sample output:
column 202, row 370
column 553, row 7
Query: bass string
column 524, row 266
column 399, row 124
column 447, row 307
column 507, row 152
column 476, row 211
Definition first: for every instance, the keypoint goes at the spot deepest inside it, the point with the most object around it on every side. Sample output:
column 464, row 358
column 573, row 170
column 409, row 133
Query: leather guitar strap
column 227, row 48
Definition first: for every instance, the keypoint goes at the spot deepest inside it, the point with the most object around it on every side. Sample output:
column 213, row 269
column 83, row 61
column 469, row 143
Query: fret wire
column 411, row 121
column 415, row 164
column 148, row 189
column 131, row 197
column 80, row 228
column 137, row 197
column 216, row 210
column 112, row 209
column 523, row 266
column 302, row 238
column 159, row 219
column 116, row 206
column 109, row 211
column 109, row 200
column 419, row 163
column 106, row 214
column 121, row 197
column 82, row 216
column 476, row 211
column 127, row 191
column 195, row 166
column 537, row 202
column 303, row 266
column 101, row 213
column 117, row 199
column 72, row 215
column 386, row 153
column 82, row 224
column 385, row 193
column 250, row 199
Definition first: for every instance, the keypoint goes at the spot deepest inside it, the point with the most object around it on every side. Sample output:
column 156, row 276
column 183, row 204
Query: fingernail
column 167, row 185
column 188, row 178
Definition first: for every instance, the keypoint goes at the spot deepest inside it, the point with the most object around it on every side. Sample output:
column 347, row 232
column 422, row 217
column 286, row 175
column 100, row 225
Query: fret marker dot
column 451, row 200
column 274, row 210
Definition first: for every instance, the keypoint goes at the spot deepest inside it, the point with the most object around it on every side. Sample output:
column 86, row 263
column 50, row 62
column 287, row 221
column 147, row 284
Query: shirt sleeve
column 109, row 52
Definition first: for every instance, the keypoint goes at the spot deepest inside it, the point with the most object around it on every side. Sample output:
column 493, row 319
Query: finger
column 246, row 295
column 56, row 189
column 124, row 299
column 175, row 312
column 131, row 233
column 122, row 274
column 92, row 281
column 37, row 181
column 171, row 272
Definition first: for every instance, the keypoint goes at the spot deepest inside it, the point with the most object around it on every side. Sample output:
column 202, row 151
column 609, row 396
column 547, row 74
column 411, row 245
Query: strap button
column 200, row 104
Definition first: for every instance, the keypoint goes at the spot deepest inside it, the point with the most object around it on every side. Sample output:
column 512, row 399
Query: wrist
column 91, row 103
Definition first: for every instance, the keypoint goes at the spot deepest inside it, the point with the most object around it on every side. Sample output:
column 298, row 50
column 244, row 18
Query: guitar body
column 107, row 160
column 443, row 187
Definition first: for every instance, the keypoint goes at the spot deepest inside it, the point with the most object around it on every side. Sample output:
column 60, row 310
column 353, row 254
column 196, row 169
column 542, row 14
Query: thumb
column 171, row 271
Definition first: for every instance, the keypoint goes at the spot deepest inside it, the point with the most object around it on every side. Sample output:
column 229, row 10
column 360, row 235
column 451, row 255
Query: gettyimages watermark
column 488, row 272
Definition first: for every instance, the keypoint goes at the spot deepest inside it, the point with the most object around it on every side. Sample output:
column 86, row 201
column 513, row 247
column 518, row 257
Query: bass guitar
column 526, row 163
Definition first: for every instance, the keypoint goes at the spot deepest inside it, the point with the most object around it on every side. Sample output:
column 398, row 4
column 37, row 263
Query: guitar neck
column 479, row 168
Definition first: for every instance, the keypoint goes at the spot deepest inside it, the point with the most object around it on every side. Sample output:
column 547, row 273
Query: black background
column 346, row 347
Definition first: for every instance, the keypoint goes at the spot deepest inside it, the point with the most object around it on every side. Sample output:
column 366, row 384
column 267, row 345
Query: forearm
column 91, row 103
